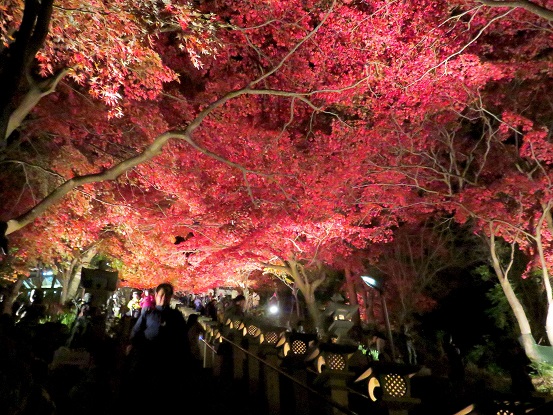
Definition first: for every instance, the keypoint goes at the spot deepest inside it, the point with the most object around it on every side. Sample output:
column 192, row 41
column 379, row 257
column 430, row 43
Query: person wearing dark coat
column 237, row 309
column 157, row 353
column 211, row 309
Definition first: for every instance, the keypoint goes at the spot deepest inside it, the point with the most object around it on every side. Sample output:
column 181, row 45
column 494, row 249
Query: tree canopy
column 196, row 140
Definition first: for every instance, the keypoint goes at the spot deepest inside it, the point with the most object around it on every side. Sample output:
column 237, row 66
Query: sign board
column 98, row 279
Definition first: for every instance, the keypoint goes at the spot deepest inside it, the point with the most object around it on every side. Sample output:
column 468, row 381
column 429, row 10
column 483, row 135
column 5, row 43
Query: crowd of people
column 108, row 355
column 100, row 362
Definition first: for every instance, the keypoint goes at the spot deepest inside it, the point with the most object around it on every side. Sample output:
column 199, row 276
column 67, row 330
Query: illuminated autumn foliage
column 195, row 143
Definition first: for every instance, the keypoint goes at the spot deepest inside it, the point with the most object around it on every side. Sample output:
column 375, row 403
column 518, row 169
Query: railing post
column 217, row 365
column 268, row 352
column 235, row 328
column 272, row 384
column 295, row 351
column 301, row 396
column 332, row 363
column 238, row 357
column 209, row 353
column 253, row 368
column 338, row 389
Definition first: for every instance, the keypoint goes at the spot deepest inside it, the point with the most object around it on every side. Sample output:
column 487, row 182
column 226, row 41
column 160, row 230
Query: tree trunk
column 547, row 220
column 352, row 294
column 526, row 337
column 7, row 304
column 307, row 284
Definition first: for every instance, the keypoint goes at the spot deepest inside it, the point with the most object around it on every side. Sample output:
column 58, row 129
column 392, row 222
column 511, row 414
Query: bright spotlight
column 372, row 282
column 273, row 309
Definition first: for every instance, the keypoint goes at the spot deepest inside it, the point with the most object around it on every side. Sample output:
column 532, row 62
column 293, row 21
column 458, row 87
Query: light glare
column 369, row 280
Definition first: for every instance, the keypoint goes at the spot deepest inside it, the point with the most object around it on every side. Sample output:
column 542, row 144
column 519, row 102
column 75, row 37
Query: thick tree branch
column 110, row 174
column 526, row 5
column 16, row 60
column 37, row 91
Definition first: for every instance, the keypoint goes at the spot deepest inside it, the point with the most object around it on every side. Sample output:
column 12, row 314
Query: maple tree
column 199, row 142
column 421, row 254
column 54, row 197
column 487, row 160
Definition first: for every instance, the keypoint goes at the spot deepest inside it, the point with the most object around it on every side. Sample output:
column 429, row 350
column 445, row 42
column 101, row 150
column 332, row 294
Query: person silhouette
column 155, row 353
column 33, row 312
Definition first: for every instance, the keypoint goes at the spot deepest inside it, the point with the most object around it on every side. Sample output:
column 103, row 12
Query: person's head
column 147, row 292
column 192, row 318
column 164, row 292
column 239, row 300
column 87, row 298
column 136, row 295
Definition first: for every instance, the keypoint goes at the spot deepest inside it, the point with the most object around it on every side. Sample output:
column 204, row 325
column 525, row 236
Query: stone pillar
column 238, row 357
column 253, row 368
column 271, row 382
column 338, row 389
column 301, row 395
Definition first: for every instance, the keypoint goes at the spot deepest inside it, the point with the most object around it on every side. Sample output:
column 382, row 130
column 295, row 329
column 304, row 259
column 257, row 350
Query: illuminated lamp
column 298, row 344
column 251, row 329
column 332, row 357
column 332, row 363
column 270, row 337
column 390, row 383
column 513, row 407
column 235, row 324
column 209, row 326
column 505, row 407
column 210, row 332
column 217, row 341
column 296, row 348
